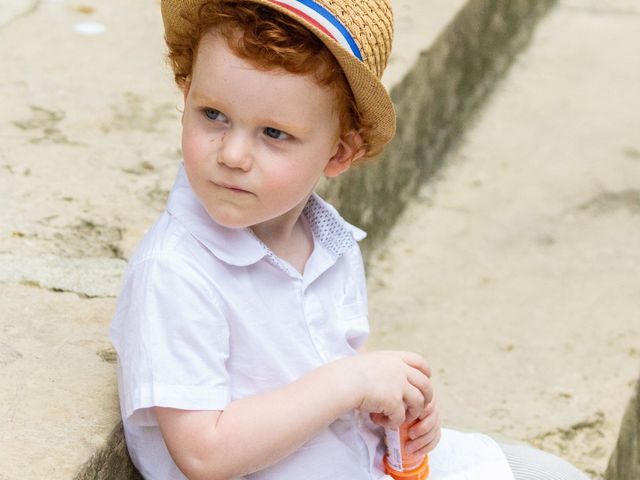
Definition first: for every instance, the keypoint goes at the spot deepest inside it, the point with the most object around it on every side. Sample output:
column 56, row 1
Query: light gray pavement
column 517, row 271
column 88, row 150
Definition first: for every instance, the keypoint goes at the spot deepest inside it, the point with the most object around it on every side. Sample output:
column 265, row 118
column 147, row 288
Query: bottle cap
column 419, row 473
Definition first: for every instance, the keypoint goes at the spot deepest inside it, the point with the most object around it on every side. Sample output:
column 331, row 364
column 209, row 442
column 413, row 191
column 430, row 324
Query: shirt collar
column 239, row 246
column 329, row 228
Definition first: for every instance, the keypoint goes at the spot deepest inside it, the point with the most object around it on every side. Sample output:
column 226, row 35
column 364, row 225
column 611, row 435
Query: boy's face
column 255, row 143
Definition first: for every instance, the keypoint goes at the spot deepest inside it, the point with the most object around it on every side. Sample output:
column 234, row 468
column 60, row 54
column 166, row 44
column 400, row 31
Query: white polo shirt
column 209, row 315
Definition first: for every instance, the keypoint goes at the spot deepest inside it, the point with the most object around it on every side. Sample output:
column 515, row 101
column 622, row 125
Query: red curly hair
column 268, row 39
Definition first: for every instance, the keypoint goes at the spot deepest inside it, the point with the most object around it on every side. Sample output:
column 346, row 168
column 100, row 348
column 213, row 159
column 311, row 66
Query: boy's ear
column 186, row 87
column 350, row 147
column 185, row 93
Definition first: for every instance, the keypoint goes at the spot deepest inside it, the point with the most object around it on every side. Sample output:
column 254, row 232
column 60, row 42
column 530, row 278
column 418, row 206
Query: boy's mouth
column 231, row 187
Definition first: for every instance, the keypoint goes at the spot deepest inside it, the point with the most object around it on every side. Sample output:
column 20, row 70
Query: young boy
column 242, row 320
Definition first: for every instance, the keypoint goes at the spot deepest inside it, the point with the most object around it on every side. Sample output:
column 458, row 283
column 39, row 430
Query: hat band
column 323, row 19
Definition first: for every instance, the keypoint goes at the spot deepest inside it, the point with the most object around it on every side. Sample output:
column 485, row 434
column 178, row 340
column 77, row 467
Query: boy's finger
column 378, row 418
column 414, row 400
column 429, row 408
column 395, row 417
column 416, row 361
column 433, row 443
column 425, row 426
column 424, row 440
column 422, row 383
column 426, row 449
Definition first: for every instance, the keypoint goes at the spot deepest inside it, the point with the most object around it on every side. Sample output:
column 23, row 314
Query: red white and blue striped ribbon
column 323, row 19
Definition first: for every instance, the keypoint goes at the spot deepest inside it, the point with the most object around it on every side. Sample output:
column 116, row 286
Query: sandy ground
column 516, row 272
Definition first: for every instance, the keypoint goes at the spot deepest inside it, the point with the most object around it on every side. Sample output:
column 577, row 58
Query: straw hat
column 357, row 32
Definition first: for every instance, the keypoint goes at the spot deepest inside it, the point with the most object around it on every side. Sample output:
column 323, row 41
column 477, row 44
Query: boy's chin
column 230, row 223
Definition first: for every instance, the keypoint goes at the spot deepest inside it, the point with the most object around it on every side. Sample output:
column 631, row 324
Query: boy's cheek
column 188, row 150
column 193, row 146
column 195, row 161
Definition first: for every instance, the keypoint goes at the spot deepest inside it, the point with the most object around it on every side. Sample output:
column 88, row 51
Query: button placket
column 309, row 312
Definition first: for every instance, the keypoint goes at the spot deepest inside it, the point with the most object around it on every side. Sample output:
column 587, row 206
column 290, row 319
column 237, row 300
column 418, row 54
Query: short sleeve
column 172, row 340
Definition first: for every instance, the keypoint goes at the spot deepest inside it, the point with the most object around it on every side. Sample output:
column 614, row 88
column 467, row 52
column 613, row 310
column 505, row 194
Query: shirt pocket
column 351, row 313
column 351, row 302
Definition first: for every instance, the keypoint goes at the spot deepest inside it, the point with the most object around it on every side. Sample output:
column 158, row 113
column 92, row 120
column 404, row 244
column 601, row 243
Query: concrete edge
column 434, row 101
column 110, row 462
column 624, row 463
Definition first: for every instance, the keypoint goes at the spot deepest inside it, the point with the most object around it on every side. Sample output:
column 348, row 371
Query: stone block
column 624, row 463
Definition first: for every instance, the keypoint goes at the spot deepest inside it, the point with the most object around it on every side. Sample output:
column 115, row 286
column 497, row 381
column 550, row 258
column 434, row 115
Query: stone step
column 89, row 150
column 516, row 269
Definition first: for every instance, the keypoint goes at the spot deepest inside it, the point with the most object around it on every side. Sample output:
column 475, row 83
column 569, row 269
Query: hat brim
column 373, row 101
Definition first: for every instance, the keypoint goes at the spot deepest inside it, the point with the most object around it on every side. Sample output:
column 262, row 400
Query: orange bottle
column 397, row 462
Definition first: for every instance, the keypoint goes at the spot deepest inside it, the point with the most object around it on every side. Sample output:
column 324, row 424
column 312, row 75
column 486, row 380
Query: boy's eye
column 213, row 114
column 275, row 133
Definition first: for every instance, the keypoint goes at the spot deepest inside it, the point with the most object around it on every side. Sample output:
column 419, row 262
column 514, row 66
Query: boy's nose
column 235, row 151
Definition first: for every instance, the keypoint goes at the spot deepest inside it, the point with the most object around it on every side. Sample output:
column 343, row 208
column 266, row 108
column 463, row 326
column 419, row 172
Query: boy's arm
column 255, row 432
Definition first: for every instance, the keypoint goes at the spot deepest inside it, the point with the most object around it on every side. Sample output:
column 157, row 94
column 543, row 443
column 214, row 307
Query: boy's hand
column 394, row 386
column 425, row 434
